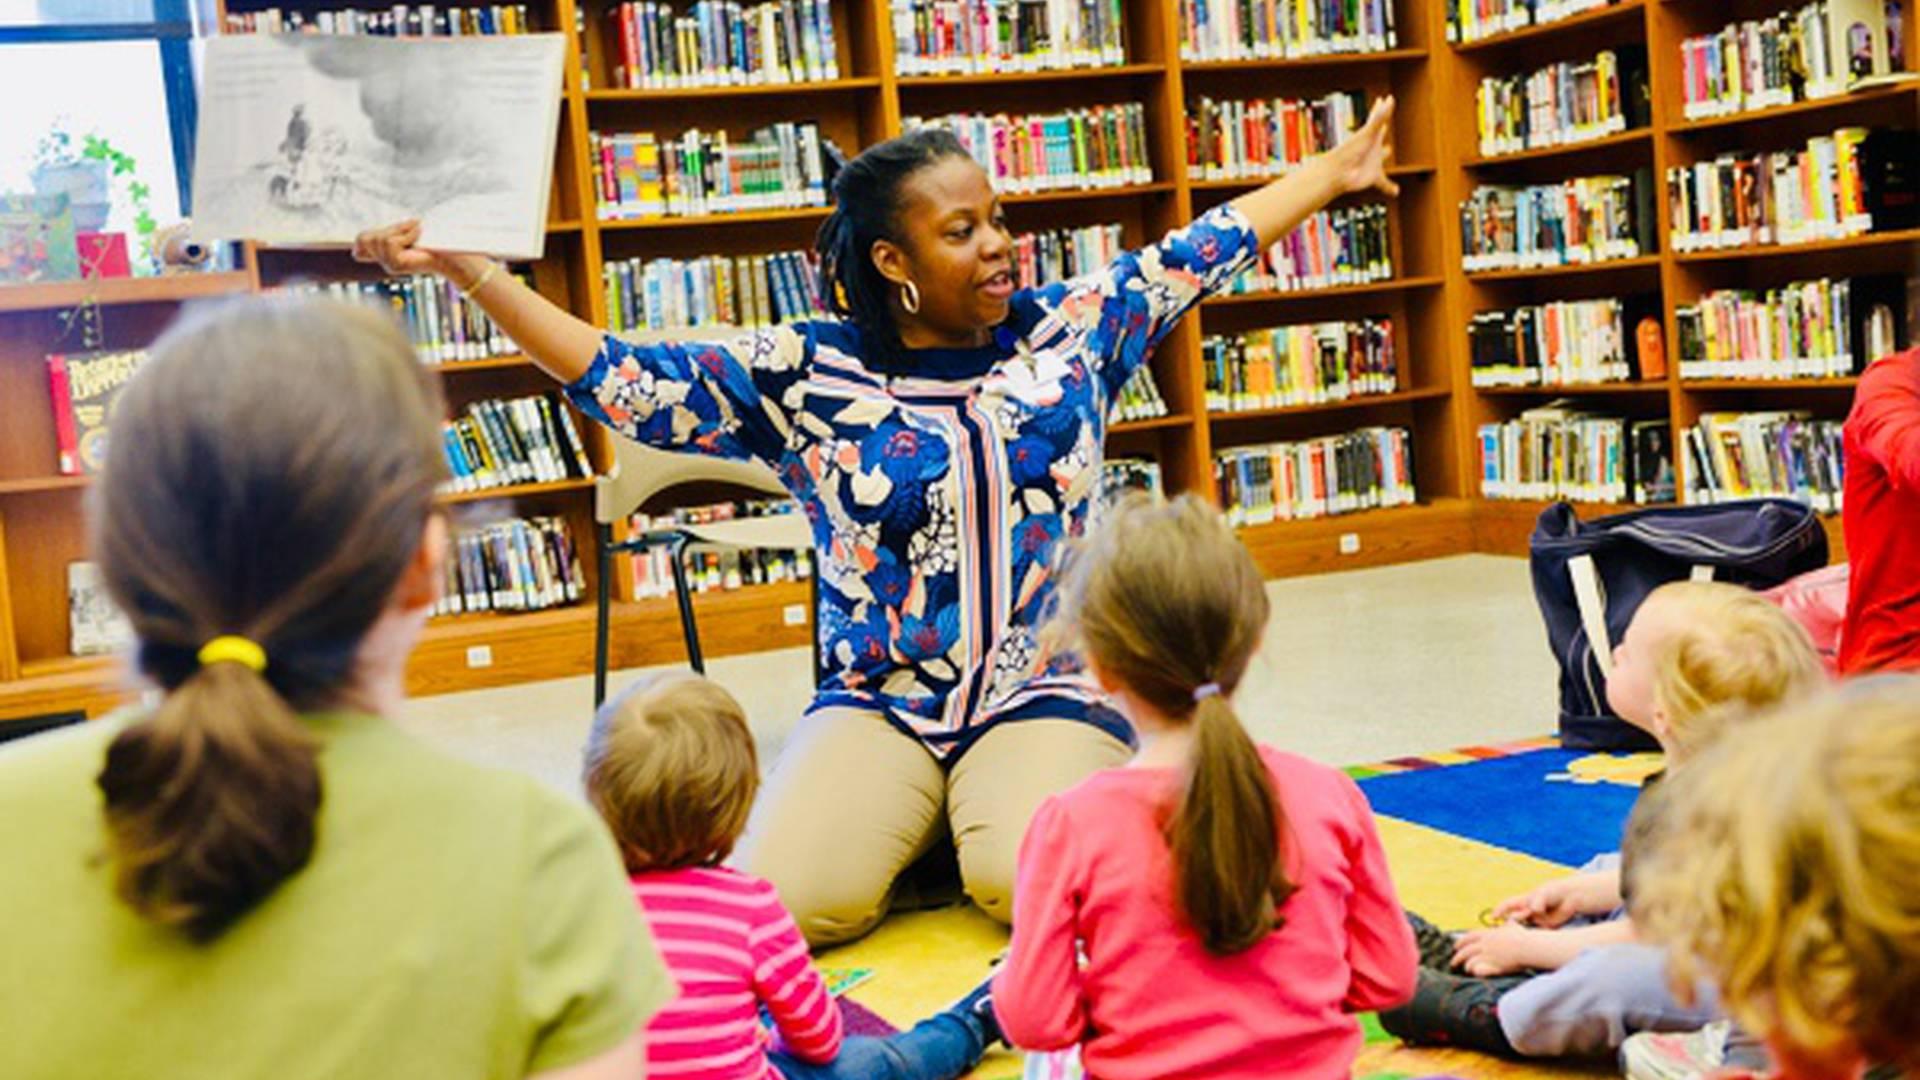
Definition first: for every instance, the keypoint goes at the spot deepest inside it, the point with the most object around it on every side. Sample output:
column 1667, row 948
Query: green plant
column 54, row 148
column 122, row 164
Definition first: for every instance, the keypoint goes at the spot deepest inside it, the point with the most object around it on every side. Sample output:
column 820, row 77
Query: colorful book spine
column 1560, row 343
column 1556, row 452
column 1731, row 456
column 496, row 443
column 979, row 37
column 1563, row 103
column 642, row 175
column 1340, row 474
column 1140, row 398
column 1475, row 20
column 1800, row 330
column 1308, row 364
column 1228, row 140
column 654, row 46
column 1060, row 254
column 1587, row 219
column 395, row 20
column 746, row 291
column 1764, row 63
column 1341, row 246
column 1219, row 30
column 1122, row 477
column 444, row 326
column 1815, row 192
column 521, row 564
column 711, row 571
column 1099, row 147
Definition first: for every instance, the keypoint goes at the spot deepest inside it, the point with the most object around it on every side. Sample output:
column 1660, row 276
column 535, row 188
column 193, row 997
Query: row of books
column 1473, row 20
column 714, row 571
column 1275, row 29
column 1796, row 55
column 655, row 46
column 1060, row 254
column 1342, row 246
column 1567, row 341
column 499, row 442
column 1804, row 329
column 1097, row 147
column 444, row 326
column 1338, row 474
column 643, row 175
column 1307, row 364
column 1558, row 451
column 394, row 20
column 1121, row 477
column 1139, row 398
column 749, row 291
column 1748, row 455
column 1587, row 219
column 1264, row 137
column 1822, row 191
column 984, row 37
column 1564, row 103
column 523, row 564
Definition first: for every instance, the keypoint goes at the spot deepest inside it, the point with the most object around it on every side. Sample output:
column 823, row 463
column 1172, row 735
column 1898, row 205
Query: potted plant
column 60, row 168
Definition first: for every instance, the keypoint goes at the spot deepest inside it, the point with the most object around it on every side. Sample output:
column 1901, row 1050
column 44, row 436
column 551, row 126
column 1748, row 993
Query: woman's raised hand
column 393, row 247
column 1362, row 158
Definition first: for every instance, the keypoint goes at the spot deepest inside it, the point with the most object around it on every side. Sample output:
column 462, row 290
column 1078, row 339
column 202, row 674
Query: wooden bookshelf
column 1430, row 300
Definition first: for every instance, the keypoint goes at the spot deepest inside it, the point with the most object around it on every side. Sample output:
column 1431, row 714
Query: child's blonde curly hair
column 1785, row 867
column 1733, row 652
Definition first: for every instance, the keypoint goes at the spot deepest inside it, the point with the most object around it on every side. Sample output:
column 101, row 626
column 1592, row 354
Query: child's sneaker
column 1453, row 1010
column 1688, row 1055
column 1436, row 945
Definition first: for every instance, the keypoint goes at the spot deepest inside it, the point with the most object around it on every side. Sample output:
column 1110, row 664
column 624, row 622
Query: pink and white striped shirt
column 732, row 947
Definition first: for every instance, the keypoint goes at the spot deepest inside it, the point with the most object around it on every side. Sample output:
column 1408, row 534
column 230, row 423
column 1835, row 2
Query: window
column 121, row 69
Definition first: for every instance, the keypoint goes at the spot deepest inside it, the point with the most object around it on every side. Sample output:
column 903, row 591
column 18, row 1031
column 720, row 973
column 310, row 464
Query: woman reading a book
column 944, row 436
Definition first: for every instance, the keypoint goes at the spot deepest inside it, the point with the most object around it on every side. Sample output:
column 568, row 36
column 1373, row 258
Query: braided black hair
column 866, row 195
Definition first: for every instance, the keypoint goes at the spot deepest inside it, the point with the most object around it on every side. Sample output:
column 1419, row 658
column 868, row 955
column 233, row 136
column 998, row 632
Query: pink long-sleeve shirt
column 1149, row 1000
column 731, row 947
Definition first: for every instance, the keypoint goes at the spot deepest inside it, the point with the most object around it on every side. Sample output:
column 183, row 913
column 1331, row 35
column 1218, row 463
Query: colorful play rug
column 1462, row 829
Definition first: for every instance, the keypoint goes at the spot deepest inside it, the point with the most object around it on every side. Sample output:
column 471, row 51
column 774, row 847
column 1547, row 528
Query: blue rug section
column 1508, row 802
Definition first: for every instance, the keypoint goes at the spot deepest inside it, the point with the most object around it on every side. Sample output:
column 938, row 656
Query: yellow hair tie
column 232, row 649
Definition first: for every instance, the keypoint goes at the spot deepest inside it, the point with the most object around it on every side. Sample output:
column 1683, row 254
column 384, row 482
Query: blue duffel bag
column 1590, row 577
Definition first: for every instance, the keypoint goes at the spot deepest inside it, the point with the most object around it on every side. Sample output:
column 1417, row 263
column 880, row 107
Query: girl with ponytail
column 1216, row 908
column 943, row 433
column 259, row 875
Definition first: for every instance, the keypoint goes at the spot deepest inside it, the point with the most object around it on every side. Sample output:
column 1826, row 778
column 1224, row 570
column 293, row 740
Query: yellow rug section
column 924, row 961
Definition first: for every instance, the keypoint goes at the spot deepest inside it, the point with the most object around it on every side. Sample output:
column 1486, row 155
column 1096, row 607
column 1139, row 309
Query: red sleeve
column 1885, row 423
column 1380, row 948
column 785, row 981
column 1037, row 995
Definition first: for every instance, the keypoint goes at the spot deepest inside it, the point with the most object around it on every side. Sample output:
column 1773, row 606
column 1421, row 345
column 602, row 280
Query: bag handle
column 1587, row 592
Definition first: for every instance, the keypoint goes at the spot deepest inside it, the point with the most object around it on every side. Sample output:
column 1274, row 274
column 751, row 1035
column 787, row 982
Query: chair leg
column 688, row 630
column 602, row 615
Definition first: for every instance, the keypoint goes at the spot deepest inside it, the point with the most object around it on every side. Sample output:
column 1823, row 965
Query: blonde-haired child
column 1561, row 976
column 671, row 767
column 1231, row 902
column 1784, row 867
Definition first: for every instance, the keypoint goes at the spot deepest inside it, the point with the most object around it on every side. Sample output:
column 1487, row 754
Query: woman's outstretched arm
column 1359, row 163
column 562, row 344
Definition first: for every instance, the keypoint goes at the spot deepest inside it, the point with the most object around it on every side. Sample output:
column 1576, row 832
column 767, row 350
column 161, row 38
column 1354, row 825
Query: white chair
column 641, row 472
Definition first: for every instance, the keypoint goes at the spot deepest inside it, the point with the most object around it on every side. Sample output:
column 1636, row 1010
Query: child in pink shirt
column 1215, row 909
column 672, row 769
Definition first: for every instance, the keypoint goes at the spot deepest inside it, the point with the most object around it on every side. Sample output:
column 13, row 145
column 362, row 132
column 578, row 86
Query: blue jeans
column 942, row 1047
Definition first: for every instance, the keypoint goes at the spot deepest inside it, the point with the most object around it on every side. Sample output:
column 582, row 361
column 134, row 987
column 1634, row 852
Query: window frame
column 172, row 29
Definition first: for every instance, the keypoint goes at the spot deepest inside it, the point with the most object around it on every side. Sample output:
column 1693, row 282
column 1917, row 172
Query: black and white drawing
column 309, row 139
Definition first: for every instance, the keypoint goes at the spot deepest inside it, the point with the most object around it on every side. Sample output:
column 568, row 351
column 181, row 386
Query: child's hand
column 1559, row 901
column 1504, row 950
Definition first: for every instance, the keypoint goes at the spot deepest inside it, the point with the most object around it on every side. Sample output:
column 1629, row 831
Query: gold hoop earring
column 910, row 298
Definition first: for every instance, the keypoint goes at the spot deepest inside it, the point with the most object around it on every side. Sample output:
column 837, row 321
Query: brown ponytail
column 1167, row 601
column 270, row 476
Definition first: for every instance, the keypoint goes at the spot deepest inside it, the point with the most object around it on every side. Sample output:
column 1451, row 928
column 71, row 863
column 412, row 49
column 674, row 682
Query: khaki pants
column 853, row 801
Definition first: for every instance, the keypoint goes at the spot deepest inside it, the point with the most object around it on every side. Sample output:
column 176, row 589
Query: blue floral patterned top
column 938, row 500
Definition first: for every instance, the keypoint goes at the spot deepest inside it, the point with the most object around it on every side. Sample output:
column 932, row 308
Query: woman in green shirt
column 259, row 876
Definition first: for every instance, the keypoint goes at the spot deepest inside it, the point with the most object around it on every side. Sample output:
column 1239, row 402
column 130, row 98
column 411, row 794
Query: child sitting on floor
column 1214, row 909
column 672, row 769
column 1784, row 867
column 1562, row 975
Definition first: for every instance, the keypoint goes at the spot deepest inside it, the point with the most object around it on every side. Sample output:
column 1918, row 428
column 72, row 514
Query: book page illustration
column 310, row 139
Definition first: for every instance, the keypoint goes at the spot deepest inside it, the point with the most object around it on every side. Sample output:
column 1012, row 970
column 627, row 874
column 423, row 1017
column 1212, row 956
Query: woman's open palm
column 1363, row 157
